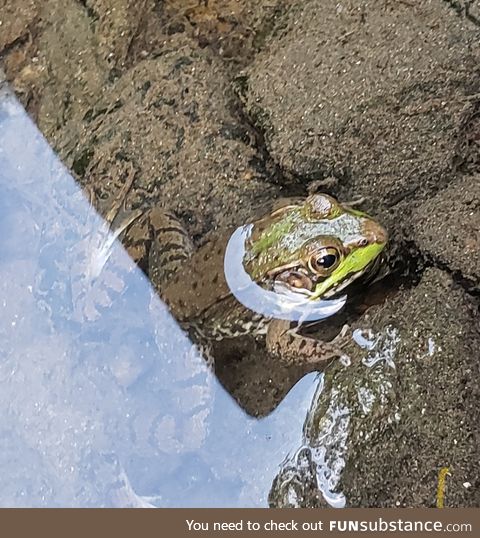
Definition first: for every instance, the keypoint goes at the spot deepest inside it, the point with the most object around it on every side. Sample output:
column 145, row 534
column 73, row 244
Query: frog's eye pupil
column 324, row 261
column 327, row 261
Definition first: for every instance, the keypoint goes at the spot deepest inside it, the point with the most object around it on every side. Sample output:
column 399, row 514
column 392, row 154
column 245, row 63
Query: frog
column 314, row 246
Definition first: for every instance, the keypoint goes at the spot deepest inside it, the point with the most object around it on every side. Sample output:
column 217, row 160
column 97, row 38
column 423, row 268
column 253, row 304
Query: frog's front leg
column 291, row 346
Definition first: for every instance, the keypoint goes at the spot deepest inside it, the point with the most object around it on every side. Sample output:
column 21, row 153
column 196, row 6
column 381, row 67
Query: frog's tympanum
column 312, row 248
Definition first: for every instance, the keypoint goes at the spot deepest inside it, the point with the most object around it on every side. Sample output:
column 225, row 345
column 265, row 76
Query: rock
column 447, row 227
column 373, row 93
column 18, row 23
column 173, row 118
column 428, row 417
column 117, row 23
column 75, row 74
column 15, row 19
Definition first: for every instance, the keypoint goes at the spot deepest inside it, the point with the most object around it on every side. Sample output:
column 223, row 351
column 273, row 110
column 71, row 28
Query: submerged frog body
column 314, row 247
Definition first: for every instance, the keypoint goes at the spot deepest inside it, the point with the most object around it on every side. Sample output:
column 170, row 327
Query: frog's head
column 315, row 246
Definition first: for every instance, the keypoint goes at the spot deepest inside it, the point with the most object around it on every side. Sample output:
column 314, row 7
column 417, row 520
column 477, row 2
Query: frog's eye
column 324, row 261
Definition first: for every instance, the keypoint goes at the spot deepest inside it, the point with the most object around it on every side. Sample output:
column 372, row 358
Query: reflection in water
column 351, row 397
column 104, row 400
column 317, row 465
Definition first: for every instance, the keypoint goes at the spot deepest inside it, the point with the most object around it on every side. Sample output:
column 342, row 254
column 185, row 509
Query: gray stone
column 447, row 227
column 429, row 416
column 371, row 91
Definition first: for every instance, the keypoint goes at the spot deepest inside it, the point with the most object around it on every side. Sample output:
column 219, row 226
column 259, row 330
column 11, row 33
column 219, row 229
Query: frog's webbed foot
column 342, row 338
column 291, row 346
column 206, row 350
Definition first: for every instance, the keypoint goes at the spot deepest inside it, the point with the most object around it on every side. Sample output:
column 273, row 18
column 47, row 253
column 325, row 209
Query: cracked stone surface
column 454, row 215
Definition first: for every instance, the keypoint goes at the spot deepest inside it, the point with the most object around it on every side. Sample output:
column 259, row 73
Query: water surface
column 104, row 400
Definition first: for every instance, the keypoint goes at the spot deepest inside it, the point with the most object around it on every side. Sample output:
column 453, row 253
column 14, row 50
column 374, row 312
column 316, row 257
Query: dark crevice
column 274, row 173
column 469, row 15
column 470, row 287
column 404, row 265
column 91, row 13
column 418, row 262
column 16, row 43
column 463, row 9
column 292, row 182
column 467, row 146
column 456, row 6
column 296, row 183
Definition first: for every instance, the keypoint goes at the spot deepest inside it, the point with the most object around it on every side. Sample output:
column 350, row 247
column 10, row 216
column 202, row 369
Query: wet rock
column 447, row 227
column 372, row 92
column 18, row 22
column 234, row 29
column 117, row 23
column 60, row 57
column 295, row 486
column 429, row 418
column 15, row 19
column 172, row 118
column 75, row 74
column 75, row 52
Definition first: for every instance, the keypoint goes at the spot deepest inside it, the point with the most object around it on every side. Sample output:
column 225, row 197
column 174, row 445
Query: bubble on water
column 387, row 345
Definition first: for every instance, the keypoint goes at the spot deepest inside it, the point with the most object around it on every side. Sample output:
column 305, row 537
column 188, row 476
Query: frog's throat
column 352, row 267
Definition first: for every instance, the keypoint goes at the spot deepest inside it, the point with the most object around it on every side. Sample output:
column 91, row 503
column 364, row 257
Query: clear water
column 104, row 402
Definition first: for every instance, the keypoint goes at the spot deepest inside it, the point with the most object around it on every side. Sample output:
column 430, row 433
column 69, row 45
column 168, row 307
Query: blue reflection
column 104, row 400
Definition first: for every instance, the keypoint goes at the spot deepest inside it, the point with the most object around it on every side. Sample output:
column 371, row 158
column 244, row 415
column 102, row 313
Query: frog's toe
column 355, row 202
column 342, row 338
